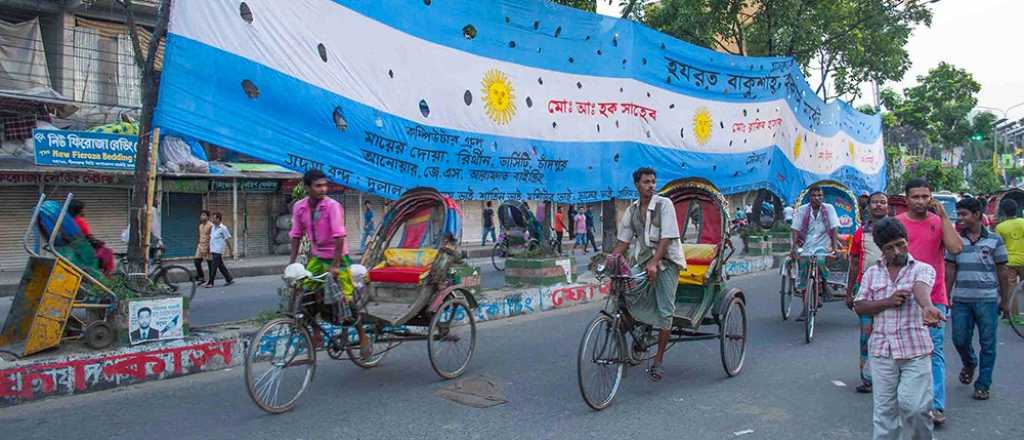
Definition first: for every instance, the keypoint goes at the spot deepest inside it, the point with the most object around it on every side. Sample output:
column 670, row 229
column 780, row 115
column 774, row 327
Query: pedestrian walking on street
column 897, row 292
column 863, row 254
column 931, row 237
column 559, row 229
column 649, row 226
column 220, row 241
column 1012, row 231
column 580, row 226
column 979, row 286
column 590, row 230
column 368, row 226
column 488, row 225
column 202, row 255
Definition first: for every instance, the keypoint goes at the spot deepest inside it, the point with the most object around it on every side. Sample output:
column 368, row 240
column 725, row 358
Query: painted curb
column 31, row 380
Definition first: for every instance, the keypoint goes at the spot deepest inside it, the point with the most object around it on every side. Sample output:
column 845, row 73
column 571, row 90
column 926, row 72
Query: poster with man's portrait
column 155, row 320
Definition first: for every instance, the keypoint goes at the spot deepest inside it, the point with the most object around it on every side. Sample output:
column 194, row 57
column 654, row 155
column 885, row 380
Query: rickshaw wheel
column 600, row 362
column 98, row 335
column 786, row 291
column 732, row 333
column 498, row 256
column 281, row 353
column 451, row 338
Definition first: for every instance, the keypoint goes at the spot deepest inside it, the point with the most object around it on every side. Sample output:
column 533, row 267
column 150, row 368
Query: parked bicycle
column 162, row 279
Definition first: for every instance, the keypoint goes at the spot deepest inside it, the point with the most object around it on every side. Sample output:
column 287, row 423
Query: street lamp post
column 1005, row 113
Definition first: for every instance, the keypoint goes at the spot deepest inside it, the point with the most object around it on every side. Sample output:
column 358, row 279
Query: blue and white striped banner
column 498, row 99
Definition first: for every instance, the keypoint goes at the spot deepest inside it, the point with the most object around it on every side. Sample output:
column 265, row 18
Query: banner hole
column 339, row 120
column 245, row 12
column 250, row 89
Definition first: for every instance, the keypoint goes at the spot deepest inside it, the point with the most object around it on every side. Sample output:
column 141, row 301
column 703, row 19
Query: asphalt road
column 249, row 297
column 787, row 390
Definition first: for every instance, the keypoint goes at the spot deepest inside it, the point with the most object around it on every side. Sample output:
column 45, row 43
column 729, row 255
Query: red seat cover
column 407, row 275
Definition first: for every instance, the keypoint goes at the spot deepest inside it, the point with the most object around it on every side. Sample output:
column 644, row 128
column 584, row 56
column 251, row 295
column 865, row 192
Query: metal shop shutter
column 179, row 214
column 257, row 227
column 17, row 202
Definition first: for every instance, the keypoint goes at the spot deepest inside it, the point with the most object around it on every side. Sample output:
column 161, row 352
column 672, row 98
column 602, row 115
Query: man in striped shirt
column 980, row 287
column 897, row 292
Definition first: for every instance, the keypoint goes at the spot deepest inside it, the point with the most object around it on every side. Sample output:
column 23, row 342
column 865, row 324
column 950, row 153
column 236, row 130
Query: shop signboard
column 84, row 149
column 192, row 186
column 248, row 185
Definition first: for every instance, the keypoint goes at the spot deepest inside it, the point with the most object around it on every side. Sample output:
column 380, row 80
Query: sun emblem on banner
column 702, row 125
column 499, row 96
column 796, row 146
column 853, row 152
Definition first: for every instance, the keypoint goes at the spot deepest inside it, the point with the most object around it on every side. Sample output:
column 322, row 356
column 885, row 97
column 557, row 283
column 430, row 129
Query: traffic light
column 977, row 137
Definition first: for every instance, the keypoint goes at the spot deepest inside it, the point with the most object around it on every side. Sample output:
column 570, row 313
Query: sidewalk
column 240, row 268
column 74, row 369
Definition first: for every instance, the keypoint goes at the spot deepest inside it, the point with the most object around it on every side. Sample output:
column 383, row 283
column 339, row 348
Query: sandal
column 967, row 375
column 366, row 351
column 655, row 373
column 981, row 394
column 864, row 388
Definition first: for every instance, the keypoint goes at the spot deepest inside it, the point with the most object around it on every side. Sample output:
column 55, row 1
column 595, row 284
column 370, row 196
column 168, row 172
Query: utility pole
column 145, row 160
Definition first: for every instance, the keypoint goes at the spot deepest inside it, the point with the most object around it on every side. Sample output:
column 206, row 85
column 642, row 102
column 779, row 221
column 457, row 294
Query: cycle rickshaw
column 521, row 233
column 818, row 288
column 612, row 343
column 412, row 283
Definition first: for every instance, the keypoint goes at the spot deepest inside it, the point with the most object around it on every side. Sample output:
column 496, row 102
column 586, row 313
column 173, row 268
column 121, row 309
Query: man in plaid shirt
column 897, row 292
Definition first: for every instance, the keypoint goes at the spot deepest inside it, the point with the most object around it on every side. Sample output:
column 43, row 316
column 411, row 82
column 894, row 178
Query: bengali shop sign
column 84, row 149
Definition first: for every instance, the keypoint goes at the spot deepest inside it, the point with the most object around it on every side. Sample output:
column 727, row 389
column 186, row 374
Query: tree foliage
column 940, row 104
column 941, row 178
column 983, row 179
column 586, row 5
column 847, row 42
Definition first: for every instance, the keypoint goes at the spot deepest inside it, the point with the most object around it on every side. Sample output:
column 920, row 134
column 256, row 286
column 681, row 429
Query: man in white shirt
column 220, row 240
column 815, row 232
column 649, row 226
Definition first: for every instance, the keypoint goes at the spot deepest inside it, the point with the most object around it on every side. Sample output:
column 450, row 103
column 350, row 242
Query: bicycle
column 162, row 279
column 814, row 291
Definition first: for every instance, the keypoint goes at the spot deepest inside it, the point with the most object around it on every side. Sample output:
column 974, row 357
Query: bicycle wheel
column 451, row 338
column 786, row 291
column 732, row 335
column 379, row 350
column 1016, row 316
column 279, row 365
column 599, row 363
column 498, row 256
column 175, row 280
column 811, row 304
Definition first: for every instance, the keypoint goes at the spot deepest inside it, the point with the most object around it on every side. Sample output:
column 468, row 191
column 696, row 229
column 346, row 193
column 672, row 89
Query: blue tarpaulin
column 500, row 99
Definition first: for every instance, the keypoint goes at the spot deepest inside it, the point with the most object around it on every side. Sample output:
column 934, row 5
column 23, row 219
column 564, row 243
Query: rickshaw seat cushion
column 404, row 275
column 699, row 254
column 409, row 257
column 407, row 266
column 693, row 274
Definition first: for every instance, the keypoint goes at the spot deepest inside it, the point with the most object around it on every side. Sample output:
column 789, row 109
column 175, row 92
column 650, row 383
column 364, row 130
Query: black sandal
column 655, row 373
column 967, row 375
column 981, row 394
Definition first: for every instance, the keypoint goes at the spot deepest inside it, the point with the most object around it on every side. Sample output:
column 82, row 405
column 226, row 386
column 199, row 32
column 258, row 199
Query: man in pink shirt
column 321, row 219
column 930, row 236
column 580, row 227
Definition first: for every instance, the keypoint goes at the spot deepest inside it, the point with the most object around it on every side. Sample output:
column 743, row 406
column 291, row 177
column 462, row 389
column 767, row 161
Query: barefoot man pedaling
column 649, row 224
